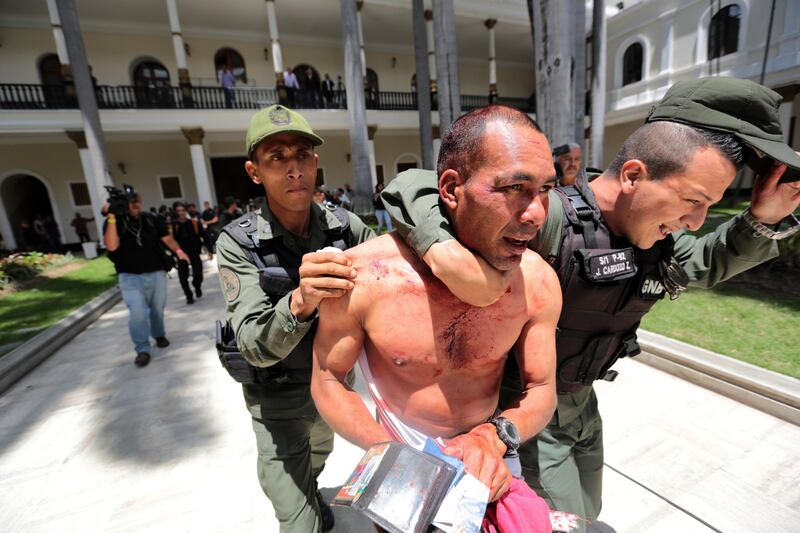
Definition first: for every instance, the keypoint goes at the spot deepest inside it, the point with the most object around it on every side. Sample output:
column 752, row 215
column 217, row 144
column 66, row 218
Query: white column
column 431, row 49
column 277, row 57
column 666, row 47
column 9, row 241
column 177, row 38
column 490, row 23
column 58, row 33
column 195, row 138
column 97, row 193
column 359, row 5
column 371, row 131
column 437, row 144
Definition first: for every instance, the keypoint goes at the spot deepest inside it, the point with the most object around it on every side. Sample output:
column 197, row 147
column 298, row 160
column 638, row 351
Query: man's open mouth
column 516, row 243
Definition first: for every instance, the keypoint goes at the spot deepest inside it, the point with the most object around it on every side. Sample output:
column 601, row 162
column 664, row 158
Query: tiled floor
column 89, row 442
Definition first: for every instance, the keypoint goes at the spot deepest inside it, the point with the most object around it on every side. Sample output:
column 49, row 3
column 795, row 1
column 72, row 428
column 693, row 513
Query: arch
column 644, row 42
column 414, row 82
column 407, row 156
column 701, row 46
column 310, row 94
column 52, row 77
column 723, row 31
column 9, row 219
column 229, row 57
column 632, row 62
column 151, row 82
column 372, row 89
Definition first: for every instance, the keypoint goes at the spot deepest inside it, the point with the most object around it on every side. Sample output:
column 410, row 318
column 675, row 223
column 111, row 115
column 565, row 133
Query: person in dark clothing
column 190, row 235
column 231, row 213
column 211, row 222
column 327, row 90
column 81, row 228
column 135, row 243
column 53, row 234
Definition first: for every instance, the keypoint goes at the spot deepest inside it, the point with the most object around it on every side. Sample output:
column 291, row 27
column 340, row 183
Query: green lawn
column 25, row 313
column 735, row 321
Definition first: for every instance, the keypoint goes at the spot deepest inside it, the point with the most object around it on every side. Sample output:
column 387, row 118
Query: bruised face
column 498, row 209
column 648, row 210
column 286, row 165
column 570, row 165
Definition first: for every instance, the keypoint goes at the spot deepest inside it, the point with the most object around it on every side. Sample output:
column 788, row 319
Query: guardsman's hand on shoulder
column 322, row 275
column 773, row 201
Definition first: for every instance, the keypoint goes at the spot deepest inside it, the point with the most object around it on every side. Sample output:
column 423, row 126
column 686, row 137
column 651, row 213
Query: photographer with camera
column 135, row 241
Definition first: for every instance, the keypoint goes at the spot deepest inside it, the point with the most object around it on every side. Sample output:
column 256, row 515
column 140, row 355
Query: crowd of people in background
column 309, row 91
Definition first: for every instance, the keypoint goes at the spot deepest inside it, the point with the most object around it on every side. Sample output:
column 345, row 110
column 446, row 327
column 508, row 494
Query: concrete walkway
column 89, row 442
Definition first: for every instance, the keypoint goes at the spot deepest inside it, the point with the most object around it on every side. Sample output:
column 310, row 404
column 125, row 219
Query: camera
column 118, row 199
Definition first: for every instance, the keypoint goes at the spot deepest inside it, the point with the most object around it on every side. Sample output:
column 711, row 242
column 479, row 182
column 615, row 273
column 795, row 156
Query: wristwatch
column 506, row 432
column 769, row 233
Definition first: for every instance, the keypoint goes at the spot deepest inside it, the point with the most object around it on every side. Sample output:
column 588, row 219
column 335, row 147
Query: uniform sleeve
column 412, row 201
column 266, row 330
column 731, row 249
column 360, row 231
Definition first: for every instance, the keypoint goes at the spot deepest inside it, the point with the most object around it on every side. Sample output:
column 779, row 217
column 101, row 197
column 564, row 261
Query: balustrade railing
column 36, row 96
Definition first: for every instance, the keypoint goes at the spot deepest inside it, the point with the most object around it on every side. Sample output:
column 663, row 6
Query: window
column 379, row 174
column 632, row 64
column 230, row 58
column 151, row 85
column 80, row 194
column 171, row 187
column 52, row 79
column 151, row 74
column 723, row 31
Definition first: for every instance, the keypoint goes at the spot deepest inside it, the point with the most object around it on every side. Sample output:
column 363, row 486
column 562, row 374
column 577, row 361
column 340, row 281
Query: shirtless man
column 436, row 361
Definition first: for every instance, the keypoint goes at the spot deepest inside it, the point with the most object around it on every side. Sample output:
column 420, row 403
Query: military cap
column 277, row 119
column 742, row 107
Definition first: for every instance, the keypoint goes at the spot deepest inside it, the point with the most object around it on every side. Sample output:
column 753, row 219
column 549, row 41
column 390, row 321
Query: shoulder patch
column 230, row 283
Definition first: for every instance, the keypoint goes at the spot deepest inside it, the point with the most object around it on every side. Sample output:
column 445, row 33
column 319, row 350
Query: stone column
column 195, row 138
column 87, row 100
column 431, row 52
column 180, row 54
column 359, row 5
column 598, row 85
column 444, row 26
column 437, row 144
column 277, row 57
column 423, row 81
column 490, row 23
column 70, row 97
column 359, row 142
column 371, row 131
column 97, row 194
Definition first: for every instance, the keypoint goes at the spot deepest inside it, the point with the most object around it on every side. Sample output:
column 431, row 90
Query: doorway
column 27, row 204
column 231, row 179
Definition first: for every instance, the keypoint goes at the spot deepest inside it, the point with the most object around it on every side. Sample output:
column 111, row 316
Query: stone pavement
column 89, row 442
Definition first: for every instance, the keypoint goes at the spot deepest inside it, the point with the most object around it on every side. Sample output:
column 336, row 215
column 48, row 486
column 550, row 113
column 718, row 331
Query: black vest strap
column 585, row 214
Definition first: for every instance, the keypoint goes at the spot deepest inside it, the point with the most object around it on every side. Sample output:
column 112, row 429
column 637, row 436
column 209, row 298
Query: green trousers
column 293, row 443
column 564, row 462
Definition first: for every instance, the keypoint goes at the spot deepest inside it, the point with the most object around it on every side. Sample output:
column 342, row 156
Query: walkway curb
column 17, row 363
column 762, row 389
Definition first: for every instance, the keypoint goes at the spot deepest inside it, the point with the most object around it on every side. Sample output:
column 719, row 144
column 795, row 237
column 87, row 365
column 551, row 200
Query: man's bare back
column 436, row 361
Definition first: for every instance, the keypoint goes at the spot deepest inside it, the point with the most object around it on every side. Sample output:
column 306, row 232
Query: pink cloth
column 519, row 510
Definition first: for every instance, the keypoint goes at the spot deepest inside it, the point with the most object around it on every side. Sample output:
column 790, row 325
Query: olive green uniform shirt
column 412, row 200
column 266, row 331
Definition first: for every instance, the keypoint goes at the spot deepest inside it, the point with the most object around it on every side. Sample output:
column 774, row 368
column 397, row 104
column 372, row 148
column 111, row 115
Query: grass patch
column 736, row 321
column 25, row 313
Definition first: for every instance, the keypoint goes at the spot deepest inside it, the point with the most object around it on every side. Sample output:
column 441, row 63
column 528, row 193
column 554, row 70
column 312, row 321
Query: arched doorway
column 52, row 79
column 230, row 58
column 372, row 89
column 26, row 198
column 152, row 84
column 310, row 94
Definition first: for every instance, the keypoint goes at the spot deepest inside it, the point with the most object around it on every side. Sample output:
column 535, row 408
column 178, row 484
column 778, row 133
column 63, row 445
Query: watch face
column 511, row 430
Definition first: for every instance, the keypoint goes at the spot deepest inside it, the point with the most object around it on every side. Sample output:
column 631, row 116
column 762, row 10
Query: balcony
column 51, row 97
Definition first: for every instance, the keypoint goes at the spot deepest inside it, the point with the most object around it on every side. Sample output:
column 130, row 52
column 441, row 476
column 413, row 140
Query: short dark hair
column 462, row 146
column 667, row 147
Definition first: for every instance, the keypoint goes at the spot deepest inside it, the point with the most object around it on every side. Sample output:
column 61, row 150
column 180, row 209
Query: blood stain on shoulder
column 378, row 269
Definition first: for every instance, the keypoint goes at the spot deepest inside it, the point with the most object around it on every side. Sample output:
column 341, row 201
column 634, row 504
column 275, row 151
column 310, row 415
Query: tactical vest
column 608, row 286
column 278, row 275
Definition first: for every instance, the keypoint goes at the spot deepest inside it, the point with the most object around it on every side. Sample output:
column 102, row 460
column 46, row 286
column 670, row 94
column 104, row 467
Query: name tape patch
column 608, row 265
